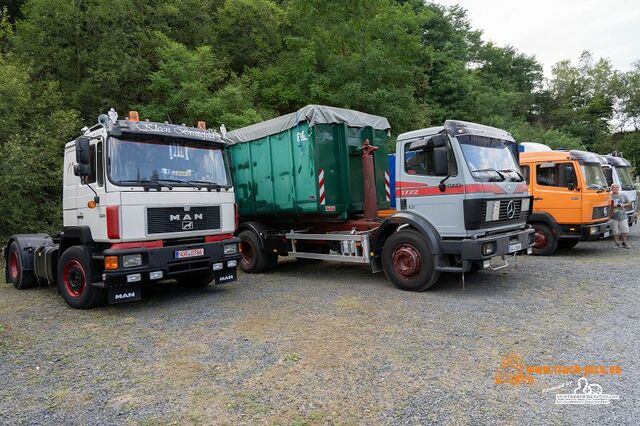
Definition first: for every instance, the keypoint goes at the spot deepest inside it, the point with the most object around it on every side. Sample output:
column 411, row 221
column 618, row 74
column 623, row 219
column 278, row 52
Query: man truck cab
column 618, row 170
column 142, row 202
column 570, row 198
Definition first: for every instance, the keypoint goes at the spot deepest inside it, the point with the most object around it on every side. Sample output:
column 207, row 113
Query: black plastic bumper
column 156, row 260
column 508, row 243
column 596, row 231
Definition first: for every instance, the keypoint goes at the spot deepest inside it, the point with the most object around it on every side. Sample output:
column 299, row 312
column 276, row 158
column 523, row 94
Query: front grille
column 504, row 210
column 164, row 220
column 600, row 212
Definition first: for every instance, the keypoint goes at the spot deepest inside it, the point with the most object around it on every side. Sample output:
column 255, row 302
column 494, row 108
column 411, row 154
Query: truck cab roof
column 458, row 128
column 574, row 154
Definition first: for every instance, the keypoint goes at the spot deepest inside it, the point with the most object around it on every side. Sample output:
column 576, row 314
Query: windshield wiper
column 145, row 183
column 490, row 170
column 205, row 184
column 514, row 171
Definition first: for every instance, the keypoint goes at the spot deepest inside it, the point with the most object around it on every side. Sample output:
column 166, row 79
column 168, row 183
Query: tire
column 20, row 278
column 568, row 243
column 254, row 260
column 408, row 262
column 196, row 279
column 545, row 244
column 75, row 274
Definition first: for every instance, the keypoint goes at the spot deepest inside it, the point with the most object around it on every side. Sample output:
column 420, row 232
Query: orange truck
column 571, row 201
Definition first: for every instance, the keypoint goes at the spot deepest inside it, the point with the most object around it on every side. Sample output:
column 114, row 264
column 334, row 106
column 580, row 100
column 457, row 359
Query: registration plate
column 606, row 234
column 183, row 254
column 515, row 247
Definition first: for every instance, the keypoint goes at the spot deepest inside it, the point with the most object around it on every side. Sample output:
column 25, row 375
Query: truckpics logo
column 187, row 219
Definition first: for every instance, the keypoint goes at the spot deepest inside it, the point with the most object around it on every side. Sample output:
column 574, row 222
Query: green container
column 307, row 163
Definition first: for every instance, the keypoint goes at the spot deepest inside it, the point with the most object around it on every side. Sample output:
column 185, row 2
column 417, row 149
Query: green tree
column 192, row 85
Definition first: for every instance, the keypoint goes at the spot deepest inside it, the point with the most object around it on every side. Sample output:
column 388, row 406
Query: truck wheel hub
column 406, row 260
column 247, row 252
column 13, row 266
column 539, row 240
column 75, row 279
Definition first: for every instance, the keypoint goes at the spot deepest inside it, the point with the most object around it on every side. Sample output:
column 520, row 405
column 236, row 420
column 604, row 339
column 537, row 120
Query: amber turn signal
column 134, row 116
column 111, row 262
column 91, row 204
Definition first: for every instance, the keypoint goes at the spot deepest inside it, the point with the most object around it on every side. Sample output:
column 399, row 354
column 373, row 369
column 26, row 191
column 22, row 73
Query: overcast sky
column 560, row 29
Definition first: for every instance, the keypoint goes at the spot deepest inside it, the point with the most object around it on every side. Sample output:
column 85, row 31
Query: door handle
column 80, row 216
column 538, row 198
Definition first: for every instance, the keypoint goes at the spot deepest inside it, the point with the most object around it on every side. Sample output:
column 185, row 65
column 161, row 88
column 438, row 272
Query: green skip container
column 307, row 165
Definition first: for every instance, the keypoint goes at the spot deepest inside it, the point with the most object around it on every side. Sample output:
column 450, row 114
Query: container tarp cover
column 313, row 114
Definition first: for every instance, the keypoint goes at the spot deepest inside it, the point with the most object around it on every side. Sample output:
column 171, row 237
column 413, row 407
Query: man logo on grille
column 187, row 225
column 511, row 209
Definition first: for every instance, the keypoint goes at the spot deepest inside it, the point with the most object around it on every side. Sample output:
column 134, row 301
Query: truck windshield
column 594, row 176
column 626, row 181
column 490, row 159
column 174, row 162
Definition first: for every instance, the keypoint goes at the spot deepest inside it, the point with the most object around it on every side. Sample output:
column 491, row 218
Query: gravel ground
column 328, row 343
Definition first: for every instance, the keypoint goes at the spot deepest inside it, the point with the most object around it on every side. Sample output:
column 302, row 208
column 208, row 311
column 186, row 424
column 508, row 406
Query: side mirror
column 441, row 161
column 83, row 157
column 571, row 186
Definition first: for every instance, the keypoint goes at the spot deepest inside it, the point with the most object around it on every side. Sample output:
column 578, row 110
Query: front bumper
column 504, row 244
column 596, row 231
column 161, row 263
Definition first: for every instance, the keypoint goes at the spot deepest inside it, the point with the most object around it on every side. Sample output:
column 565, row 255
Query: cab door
column 93, row 217
column 418, row 183
column 556, row 191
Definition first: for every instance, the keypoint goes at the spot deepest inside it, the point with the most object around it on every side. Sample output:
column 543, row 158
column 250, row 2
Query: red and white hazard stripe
column 387, row 187
column 321, row 186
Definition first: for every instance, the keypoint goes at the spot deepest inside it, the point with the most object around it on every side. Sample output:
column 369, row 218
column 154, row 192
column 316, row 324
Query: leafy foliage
column 63, row 62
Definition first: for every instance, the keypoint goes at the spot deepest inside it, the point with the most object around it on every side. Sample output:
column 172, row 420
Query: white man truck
column 142, row 202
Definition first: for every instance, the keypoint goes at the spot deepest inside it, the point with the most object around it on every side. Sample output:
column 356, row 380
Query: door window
column 555, row 174
column 419, row 159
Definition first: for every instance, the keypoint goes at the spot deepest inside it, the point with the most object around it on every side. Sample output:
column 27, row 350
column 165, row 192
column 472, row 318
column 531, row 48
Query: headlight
column 492, row 211
column 230, row 248
column 526, row 203
column 593, row 230
column 488, row 248
column 131, row 260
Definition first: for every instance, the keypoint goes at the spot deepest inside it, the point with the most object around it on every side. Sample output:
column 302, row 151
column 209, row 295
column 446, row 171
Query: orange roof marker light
column 134, row 116
column 202, row 125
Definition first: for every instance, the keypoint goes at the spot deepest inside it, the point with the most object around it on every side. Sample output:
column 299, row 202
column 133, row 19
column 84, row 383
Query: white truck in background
column 618, row 170
column 142, row 201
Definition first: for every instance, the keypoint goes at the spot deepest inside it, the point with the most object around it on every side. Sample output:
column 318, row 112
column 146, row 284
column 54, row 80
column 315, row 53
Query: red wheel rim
column 247, row 252
column 539, row 240
column 406, row 260
column 75, row 279
column 13, row 265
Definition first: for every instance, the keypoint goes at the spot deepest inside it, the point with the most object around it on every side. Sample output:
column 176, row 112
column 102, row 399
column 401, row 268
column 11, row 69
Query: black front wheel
column 544, row 242
column 408, row 262
column 75, row 275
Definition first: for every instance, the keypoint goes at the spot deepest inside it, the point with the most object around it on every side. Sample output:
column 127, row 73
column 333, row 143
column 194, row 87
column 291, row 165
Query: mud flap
column 126, row 293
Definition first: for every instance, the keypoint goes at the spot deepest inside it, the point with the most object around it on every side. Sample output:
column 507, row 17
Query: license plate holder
column 125, row 293
column 515, row 247
column 185, row 254
column 226, row 276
